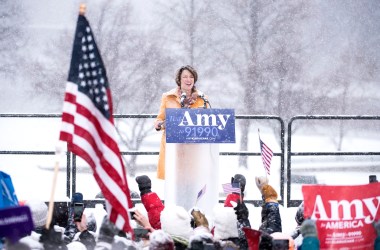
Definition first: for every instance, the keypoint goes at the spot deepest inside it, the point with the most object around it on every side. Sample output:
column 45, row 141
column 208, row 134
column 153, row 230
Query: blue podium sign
column 200, row 126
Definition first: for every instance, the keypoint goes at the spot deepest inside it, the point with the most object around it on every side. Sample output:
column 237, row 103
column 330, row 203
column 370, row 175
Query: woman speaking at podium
column 185, row 95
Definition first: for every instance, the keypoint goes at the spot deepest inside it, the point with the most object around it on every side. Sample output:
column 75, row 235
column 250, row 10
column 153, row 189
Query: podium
column 192, row 155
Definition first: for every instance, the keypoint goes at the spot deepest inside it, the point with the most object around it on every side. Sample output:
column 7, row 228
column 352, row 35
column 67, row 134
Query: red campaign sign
column 344, row 214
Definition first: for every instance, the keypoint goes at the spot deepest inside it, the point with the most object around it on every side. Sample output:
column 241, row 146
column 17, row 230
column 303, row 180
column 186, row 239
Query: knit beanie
column 39, row 212
column 309, row 229
column 175, row 220
column 225, row 222
column 76, row 245
column 160, row 240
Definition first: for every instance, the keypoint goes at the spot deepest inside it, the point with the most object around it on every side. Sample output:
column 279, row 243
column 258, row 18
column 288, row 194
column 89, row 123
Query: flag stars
column 92, row 56
column 89, row 38
column 93, row 64
column 88, row 30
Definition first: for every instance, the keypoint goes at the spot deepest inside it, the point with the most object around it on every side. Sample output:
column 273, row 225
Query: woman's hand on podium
column 159, row 125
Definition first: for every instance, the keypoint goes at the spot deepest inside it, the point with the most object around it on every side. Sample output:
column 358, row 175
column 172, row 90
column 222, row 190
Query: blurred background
column 281, row 58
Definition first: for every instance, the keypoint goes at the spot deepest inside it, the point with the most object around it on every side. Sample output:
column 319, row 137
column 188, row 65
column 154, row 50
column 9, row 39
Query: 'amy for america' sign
column 344, row 214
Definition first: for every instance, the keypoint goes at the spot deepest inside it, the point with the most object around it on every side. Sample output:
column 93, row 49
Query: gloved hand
column 145, row 184
column 51, row 239
column 241, row 211
column 261, row 181
column 238, row 178
column 199, row 218
column 107, row 231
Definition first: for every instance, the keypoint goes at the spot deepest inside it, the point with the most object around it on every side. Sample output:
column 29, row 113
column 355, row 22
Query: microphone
column 182, row 99
column 205, row 101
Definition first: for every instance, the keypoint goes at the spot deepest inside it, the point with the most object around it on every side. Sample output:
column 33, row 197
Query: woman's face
column 187, row 80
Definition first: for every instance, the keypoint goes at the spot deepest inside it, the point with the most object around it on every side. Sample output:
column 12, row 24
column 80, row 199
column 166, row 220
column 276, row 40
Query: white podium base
column 188, row 168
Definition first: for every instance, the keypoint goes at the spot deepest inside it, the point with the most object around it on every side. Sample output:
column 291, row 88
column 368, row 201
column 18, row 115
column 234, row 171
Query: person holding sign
column 185, row 95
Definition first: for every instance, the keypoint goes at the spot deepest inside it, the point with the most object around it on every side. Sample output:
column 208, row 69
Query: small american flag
column 266, row 155
column 229, row 188
column 201, row 193
column 87, row 124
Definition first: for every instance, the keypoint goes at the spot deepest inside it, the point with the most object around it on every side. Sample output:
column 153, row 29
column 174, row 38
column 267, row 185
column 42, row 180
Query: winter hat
column 239, row 178
column 282, row 236
column 269, row 192
column 77, row 198
column 201, row 235
column 299, row 215
column 309, row 229
column 76, row 245
column 160, row 240
column 122, row 243
column 39, row 211
column 225, row 222
column 261, row 181
column 175, row 220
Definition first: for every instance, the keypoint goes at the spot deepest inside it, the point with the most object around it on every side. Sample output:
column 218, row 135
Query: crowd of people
column 166, row 227
column 172, row 227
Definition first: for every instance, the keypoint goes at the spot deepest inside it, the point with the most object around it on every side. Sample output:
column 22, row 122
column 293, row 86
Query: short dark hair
column 179, row 72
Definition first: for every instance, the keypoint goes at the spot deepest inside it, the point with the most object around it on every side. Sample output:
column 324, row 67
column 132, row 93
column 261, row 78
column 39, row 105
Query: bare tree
column 131, row 59
column 259, row 54
column 12, row 37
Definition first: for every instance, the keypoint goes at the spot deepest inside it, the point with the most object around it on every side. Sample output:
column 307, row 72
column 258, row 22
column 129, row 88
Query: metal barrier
column 290, row 153
column 71, row 167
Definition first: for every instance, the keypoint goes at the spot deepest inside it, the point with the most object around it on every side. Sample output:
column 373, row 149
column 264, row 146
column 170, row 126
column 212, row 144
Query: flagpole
column 58, row 154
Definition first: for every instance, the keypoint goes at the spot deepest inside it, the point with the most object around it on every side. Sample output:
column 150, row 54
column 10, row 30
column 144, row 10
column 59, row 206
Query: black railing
column 290, row 153
column 71, row 166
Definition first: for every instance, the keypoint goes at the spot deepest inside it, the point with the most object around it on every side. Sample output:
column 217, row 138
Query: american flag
column 229, row 188
column 201, row 193
column 266, row 155
column 87, row 124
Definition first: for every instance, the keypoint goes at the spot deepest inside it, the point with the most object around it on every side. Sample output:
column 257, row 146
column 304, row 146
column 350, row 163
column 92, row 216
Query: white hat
column 39, row 212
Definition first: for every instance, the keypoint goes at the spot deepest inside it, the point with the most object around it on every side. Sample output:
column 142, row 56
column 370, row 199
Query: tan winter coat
column 170, row 99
